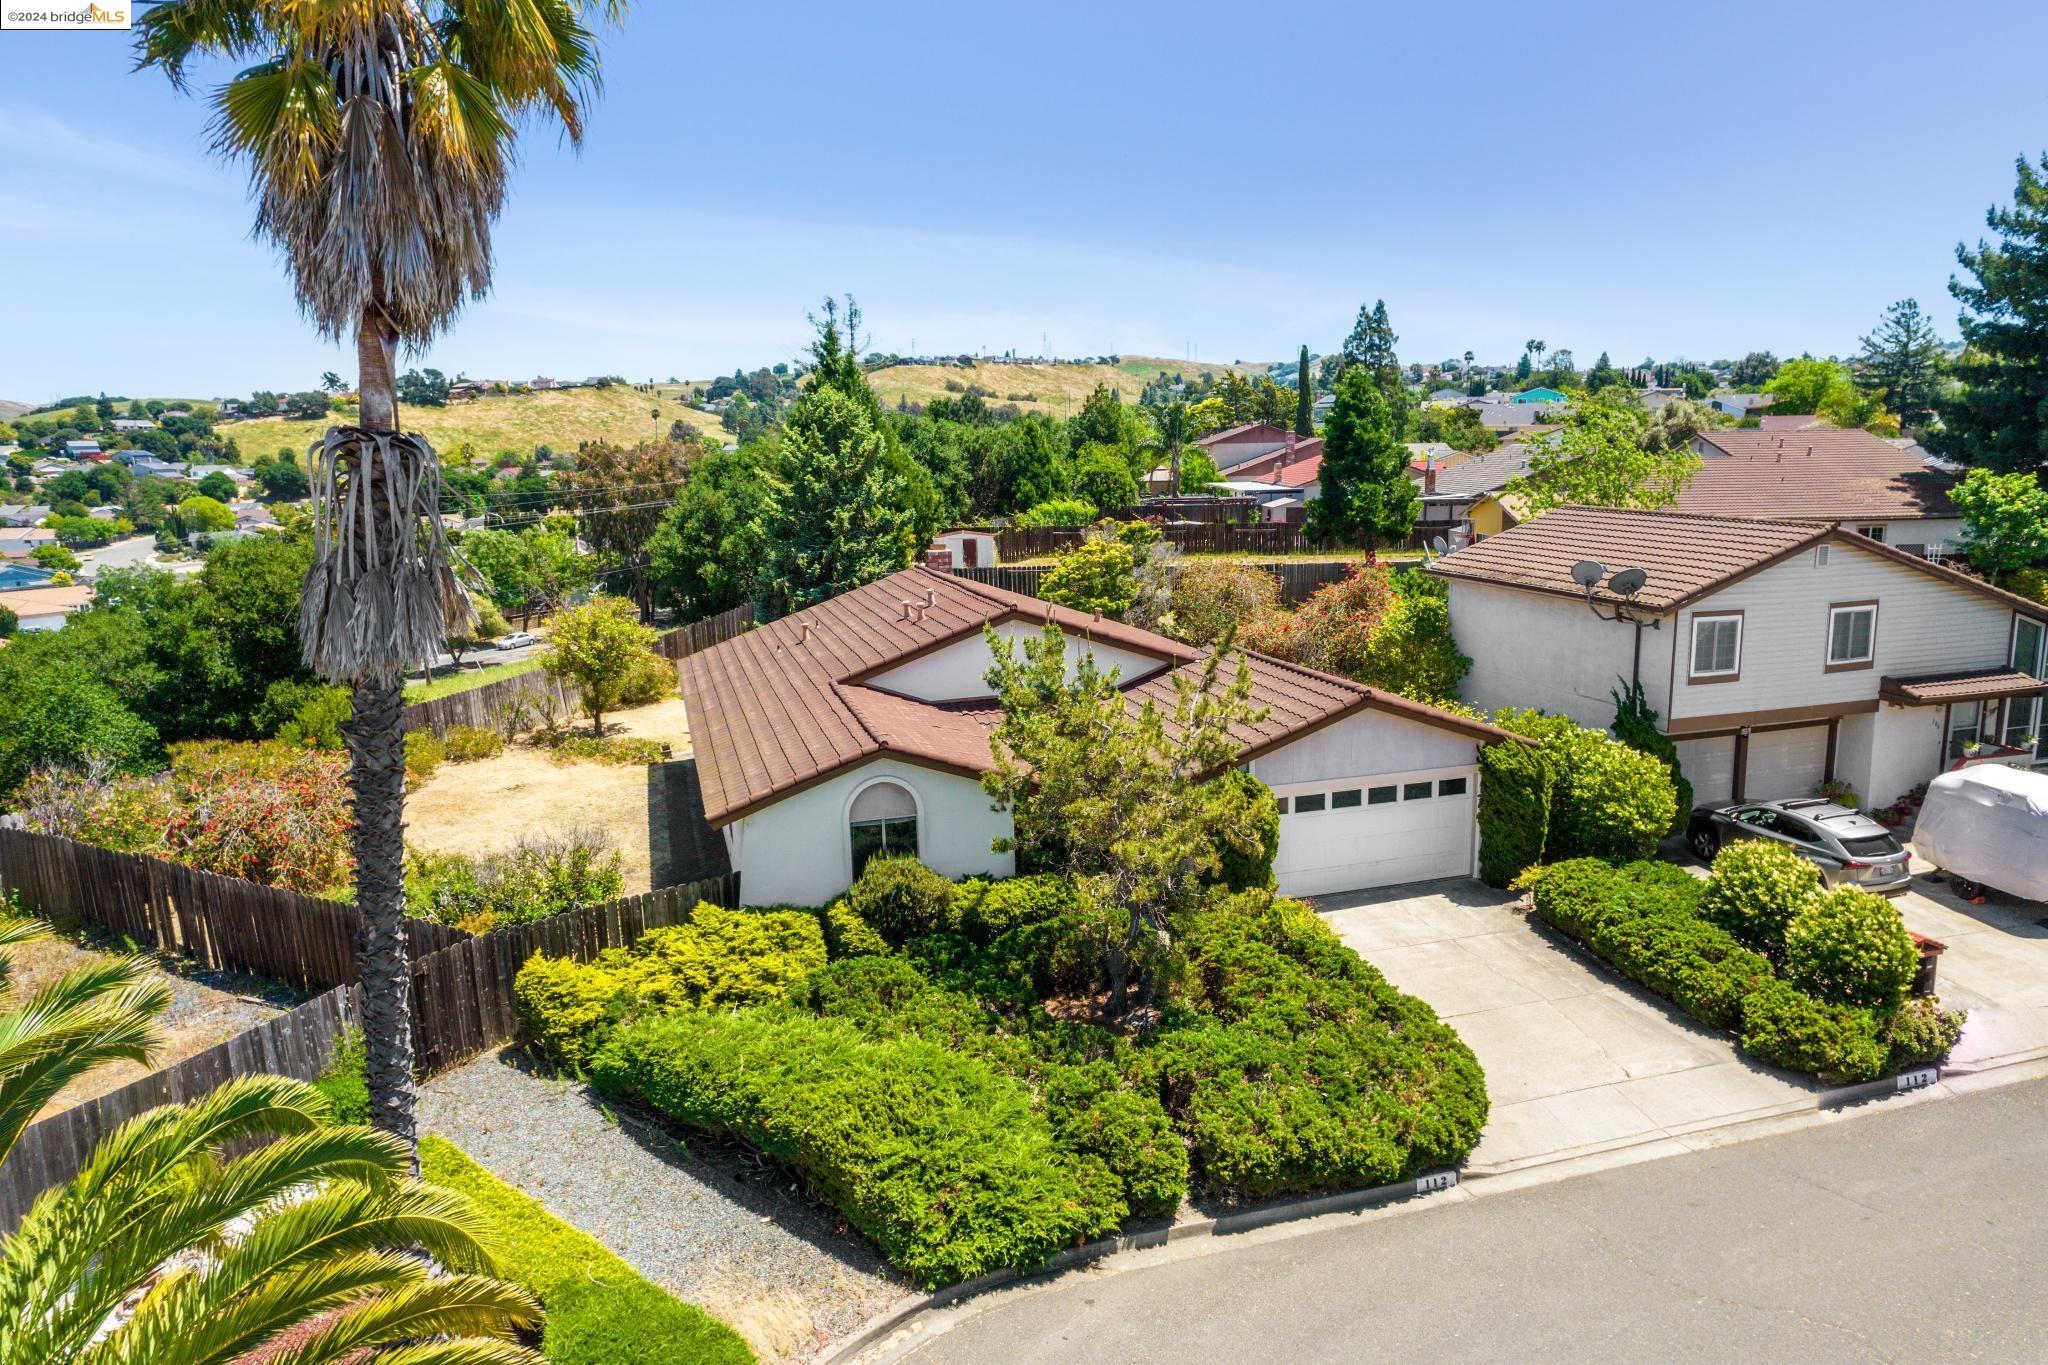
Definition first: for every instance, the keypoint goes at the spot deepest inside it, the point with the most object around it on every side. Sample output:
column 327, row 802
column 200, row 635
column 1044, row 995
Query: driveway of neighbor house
column 1996, row 967
column 1577, row 1060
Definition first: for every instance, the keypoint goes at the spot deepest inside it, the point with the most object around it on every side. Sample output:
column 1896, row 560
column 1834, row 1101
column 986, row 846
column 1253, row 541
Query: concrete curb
column 1345, row 1202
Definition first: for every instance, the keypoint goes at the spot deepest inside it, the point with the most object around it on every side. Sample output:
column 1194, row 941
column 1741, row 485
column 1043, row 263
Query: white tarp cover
column 1989, row 824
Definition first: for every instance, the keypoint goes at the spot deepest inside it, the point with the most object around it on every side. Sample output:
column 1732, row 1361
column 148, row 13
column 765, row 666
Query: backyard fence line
column 1026, row 542
column 221, row 923
column 483, row 707
column 297, row 1043
column 1299, row 578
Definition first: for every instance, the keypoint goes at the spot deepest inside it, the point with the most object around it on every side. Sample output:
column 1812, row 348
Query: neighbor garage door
column 1709, row 764
column 1375, row 832
column 1786, row 763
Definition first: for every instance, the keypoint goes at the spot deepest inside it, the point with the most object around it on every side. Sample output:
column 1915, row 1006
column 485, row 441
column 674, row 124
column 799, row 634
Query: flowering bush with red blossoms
column 264, row 812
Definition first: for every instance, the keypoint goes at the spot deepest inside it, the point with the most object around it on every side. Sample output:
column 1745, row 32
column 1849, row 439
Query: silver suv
column 1848, row 847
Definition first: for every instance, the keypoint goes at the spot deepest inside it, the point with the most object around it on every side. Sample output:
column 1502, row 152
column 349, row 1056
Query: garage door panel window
column 1852, row 635
column 1346, row 799
column 1307, row 802
column 1282, row 802
column 1716, row 648
column 1381, row 796
column 1417, row 791
column 1451, row 786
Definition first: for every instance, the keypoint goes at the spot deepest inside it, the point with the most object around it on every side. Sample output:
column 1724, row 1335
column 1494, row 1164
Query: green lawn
column 600, row 1310
column 462, row 682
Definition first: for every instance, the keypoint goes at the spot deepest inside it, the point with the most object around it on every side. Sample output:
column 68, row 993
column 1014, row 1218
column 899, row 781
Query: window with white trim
column 1852, row 633
column 883, row 821
column 1716, row 646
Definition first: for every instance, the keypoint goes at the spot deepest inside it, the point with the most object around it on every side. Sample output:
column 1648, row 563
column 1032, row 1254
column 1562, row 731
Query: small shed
column 971, row 547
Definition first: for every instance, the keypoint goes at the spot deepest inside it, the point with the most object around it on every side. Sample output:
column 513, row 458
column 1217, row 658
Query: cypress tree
column 1366, row 494
column 1304, row 398
column 1902, row 358
column 1995, row 420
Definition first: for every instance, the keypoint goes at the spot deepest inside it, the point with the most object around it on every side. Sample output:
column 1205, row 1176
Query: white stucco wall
column 798, row 851
column 1924, row 625
column 1532, row 649
column 961, row 669
column 956, row 542
column 1368, row 744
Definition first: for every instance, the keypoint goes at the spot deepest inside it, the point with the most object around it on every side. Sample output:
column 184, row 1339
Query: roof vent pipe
column 803, row 632
column 931, row 597
column 904, row 615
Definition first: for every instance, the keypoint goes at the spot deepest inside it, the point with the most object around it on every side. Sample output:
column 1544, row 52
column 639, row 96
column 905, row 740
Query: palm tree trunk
column 376, row 745
column 376, row 742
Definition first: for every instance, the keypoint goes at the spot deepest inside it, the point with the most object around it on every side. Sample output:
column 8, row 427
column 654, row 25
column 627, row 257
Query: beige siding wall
column 1923, row 625
column 1530, row 649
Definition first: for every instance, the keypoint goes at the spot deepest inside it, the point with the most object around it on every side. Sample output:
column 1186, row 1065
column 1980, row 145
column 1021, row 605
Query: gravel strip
column 709, row 1221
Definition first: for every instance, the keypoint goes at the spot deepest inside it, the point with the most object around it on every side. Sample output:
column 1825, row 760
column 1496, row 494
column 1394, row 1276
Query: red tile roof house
column 861, row 725
column 1826, row 474
column 1233, row 446
column 1777, row 654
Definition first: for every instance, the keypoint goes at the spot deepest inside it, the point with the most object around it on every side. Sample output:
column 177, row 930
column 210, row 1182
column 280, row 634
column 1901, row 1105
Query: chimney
column 1429, row 474
column 938, row 558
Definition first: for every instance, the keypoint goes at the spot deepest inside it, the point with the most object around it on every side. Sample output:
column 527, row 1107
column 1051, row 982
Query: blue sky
column 1129, row 177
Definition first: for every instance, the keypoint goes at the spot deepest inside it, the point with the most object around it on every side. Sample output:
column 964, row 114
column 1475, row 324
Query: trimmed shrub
column 1695, row 965
column 1921, row 1031
column 1635, row 724
column 1248, row 869
column 985, row 911
column 1516, row 783
column 652, row 679
column 1849, row 947
column 939, row 1159
column 1786, row 1027
column 599, row 1310
column 568, row 1007
column 1574, row 896
column 847, row 934
column 1608, row 801
column 1756, row 888
column 901, row 898
column 1128, row 1132
column 423, row 754
column 469, row 743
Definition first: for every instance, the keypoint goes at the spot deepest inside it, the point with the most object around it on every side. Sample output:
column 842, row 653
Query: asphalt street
column 1919, row 1234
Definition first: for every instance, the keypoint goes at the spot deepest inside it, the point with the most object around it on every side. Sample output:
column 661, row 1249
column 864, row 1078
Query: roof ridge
column 1675, row 515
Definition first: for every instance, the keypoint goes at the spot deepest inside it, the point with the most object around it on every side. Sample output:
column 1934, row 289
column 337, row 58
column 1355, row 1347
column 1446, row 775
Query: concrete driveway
column 1996, row 967
column 1577, row 1060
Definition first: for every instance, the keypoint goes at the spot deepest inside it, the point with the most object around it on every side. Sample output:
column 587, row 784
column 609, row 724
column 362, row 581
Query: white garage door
column 1785, row 763
column 1709, row 764
column 1375, row 832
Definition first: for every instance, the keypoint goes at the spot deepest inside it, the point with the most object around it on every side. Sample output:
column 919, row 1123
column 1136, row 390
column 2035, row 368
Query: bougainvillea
column 263, row 812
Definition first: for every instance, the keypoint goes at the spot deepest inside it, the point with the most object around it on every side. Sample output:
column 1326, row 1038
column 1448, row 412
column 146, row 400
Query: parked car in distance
column 1848, row 847
column 518, row 639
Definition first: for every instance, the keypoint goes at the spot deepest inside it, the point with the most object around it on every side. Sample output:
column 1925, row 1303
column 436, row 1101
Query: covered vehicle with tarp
column 1987, row 825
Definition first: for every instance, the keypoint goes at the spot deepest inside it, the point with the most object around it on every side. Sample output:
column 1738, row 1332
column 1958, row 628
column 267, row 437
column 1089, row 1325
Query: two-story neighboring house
column 1778, row 654
column 1825, row 473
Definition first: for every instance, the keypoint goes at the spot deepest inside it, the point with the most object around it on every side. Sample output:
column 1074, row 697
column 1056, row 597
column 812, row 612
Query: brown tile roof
column 782, row 706
column 1979, row 684
column 1684, row 555
column 1233, row 433
column 1826, row 474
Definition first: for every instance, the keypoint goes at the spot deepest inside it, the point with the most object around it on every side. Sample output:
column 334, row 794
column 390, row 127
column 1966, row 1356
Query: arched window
column 883, row 820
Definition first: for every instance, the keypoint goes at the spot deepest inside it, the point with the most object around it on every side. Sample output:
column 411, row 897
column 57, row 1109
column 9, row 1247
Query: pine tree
column 1366, row 493
column 1304, row 398
column 1995, row 420
column 1371, row 347
column 836, row 516
column 1902, row 360
column 1602, row 374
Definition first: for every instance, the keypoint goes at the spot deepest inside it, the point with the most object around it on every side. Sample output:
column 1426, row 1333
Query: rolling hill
column 561, row 420
column 1057, row 389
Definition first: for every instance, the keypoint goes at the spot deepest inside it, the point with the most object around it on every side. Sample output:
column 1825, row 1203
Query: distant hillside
column 8, row 409
column 1057, row 389
column 560, row 420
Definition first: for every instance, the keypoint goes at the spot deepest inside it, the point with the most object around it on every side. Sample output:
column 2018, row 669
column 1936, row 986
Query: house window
column 2027, row 639
column 1876, row 533
column 1313, row 801
column 1852, row 634
column 883, row 821
column 1380, row 796
column 2022, row 721
column 1345, row 800
column 1417, row 791
column 1963, row 721
column 1451, row 786
column 1716, row 647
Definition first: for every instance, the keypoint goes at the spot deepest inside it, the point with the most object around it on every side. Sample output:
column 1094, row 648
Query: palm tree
column 1468, row 364
column 166, row 1249
column 1171, row 439
column 379, row 136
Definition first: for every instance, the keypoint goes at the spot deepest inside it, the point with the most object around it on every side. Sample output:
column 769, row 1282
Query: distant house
column 1655, row 398
column 1851, row 477
column 1449, row 491
column 1233, row 446
column 133, row 424
column 1782, row 422
column 19, row 542
column 546, row 383
column 1539, row 394
column 18, row 575
column 24, row 514
column 149, row 466
column 1740, row 405
column 1454, row 396
column 78, row 450
column 1512, row 416
column 104, row 513
column 967, row 547
column 46, row 608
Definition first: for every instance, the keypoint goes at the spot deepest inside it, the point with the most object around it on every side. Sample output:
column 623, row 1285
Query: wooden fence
column 222, row 923
column 296, row 1043
column 485, row 706
column 461, row 985
column 1298, row 577
column 1028, row 542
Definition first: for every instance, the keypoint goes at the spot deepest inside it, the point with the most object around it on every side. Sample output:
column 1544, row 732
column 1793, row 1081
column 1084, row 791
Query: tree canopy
column 1994, row 418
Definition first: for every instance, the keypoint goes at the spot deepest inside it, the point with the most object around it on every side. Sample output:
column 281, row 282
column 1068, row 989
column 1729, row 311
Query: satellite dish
column 1438, row 545
column 1628, row 582
column 1587, row 572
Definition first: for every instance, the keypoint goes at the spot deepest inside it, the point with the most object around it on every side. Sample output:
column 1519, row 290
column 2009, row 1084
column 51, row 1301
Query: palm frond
column 101, row 1013
column 468, row 1307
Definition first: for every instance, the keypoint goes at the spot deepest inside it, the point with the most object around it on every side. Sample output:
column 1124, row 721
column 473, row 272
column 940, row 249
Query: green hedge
column 1756, row 888
column 599, row 1309
column 1515, row 789
column 935, row 1155
column 1243, row 870
column 1646, row 921
column 1609, row 801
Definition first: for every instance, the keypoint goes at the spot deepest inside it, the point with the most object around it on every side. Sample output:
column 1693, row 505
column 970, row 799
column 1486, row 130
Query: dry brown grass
column 1057, row 389
column 489, row 806
column 515, row 422
column 200, row 1015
